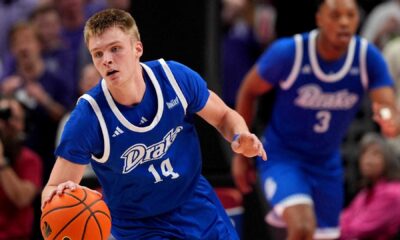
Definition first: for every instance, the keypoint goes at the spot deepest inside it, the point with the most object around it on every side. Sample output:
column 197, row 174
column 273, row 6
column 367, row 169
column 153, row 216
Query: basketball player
column 136, row 129
column 320, row 78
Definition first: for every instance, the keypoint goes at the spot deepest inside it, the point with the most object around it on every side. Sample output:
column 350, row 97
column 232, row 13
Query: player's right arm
column 65, row 175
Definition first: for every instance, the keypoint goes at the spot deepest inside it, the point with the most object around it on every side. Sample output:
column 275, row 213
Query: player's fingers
column 67, row 185
column 48, row 198
column 264, row 154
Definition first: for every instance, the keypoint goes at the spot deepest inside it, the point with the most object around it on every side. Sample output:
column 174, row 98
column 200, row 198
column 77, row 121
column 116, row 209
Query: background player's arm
column 65, row 174
column 252, row 87
column 228, row 122
column 384, row 98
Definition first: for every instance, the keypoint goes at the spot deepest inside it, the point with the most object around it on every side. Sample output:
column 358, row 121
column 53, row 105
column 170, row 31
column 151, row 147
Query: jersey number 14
column 166, row 170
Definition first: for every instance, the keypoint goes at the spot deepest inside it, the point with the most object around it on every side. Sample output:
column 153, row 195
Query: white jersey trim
column 297, row 63
column 106, row 137
column 312, row 51
column 363, row 63
column 320, row 233
column 234, row 211
column 174, row 83
column 122, row 119
column 327, row 233
column 290, row 201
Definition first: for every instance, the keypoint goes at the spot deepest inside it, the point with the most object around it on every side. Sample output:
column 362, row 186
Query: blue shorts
column 289, row 179
column 201, row 217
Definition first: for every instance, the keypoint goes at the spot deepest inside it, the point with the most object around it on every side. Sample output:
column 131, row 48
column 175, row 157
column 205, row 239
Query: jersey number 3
column 166, row 170
column 323, row 118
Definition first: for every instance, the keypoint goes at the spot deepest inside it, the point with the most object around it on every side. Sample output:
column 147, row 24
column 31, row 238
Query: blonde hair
column 101, row 21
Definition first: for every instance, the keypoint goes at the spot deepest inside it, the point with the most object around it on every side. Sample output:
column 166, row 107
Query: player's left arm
column 382, row 93
column 232, row 126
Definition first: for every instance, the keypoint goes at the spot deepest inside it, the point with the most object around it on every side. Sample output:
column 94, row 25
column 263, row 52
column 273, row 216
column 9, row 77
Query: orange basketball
column 80, row 214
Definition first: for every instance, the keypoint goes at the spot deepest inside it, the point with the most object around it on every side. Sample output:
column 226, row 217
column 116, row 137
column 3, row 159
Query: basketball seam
column 71, row 195
column 87, row 207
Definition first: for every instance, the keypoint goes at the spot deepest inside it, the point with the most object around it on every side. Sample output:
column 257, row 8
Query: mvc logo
column 140, row 153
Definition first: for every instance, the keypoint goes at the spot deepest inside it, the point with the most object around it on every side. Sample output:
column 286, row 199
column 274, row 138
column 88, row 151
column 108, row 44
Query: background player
column 320, row 78
column 136, row 127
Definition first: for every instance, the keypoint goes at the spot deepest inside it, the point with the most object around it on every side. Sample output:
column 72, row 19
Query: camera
column 5, row 113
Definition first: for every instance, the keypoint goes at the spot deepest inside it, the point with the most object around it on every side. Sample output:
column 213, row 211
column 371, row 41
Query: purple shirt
column 374, row 213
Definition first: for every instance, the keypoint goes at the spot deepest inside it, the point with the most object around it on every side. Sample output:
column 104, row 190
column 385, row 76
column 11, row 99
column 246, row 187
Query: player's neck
column 327, row 50
column 130, row 92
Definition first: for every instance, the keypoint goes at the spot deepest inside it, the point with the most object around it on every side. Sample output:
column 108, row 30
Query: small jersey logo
column 143, row 120
column 118, row 131
column 354, row 71
column 306, row 69
column 173, row 103
column 140, row 153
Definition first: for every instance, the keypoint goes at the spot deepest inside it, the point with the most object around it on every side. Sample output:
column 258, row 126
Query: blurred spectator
column 20, row 174
column 98, row 5
column 44, row 94
column 58, row 58
column 89, row 78
column 249, row 28
column 73, row 15
column 383, row 23
column 11, row 11
column 374, row 212
column 120, row 4
column 391, row 52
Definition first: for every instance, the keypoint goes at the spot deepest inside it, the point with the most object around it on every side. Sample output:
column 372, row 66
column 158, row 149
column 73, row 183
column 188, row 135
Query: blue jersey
column 317, row 99
column 147, row 157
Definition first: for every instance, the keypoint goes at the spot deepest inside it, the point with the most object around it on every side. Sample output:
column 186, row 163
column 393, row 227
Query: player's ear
column 138, row 48
column 318, row 19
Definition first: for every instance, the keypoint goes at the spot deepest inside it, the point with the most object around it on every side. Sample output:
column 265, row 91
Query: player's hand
column 59, row 190
column 243, row 173
column 248, row 145
column 387, row 118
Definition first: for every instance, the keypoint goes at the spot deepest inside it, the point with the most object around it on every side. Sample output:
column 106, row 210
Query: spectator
column 383, row 23
column 374, row 212
column 58, row 58
column 391, row 52
column 10, row 13
column 20, row 174
column 44, row 94
column 249, row 30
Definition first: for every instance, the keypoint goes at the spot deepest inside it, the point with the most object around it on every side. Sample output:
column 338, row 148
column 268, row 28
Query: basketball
column 79, row 214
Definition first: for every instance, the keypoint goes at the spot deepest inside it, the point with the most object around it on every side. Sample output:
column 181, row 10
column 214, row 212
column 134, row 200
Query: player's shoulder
column 372, row 50
column 285, row 42
column 177, row 68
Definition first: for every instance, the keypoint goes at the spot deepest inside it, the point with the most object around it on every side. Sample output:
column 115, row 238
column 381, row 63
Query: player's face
column 338, row 21
column 115, row 55
column 372, row 162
